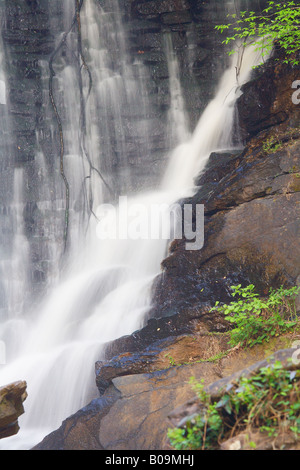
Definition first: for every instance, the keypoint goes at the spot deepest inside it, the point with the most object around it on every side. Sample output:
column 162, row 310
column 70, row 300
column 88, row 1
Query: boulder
column 12, row 397
column 132, row 413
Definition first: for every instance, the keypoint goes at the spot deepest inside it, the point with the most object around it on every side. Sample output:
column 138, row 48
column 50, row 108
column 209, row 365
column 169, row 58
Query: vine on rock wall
column 82, row 65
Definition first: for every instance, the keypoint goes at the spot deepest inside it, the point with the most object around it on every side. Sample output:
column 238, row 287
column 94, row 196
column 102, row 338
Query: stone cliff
column 31, row 30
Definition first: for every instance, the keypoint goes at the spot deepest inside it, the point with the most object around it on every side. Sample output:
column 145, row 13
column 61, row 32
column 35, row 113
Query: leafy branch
column 279, row 23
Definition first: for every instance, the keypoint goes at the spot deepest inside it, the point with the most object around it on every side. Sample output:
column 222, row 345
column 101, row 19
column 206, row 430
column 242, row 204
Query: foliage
column 271, row 145
column 279, row 22
column 256, row 319
column 202, row 430
column 269, row 400
column 172, row 361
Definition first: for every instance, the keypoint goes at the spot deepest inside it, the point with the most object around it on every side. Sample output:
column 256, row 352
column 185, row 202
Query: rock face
column 12, row 397
column 266, row 100
column 252, row 207
column 131, row 416
column 160, row 355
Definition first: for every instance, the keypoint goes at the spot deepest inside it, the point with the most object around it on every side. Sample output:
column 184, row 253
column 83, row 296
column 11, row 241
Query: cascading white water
column 20, row 259
column 15, row 273
column 214, row 129
column 105, row 293
column 177, row 115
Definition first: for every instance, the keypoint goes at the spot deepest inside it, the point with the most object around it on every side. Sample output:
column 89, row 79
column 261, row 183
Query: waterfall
column 18, row 265
column 214, row 129
column 177, row 115
column 105, row 291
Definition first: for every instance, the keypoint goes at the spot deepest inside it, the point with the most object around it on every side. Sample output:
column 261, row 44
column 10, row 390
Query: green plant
column 172, row 361
column 202, row 430
column 252, row 445
column 279, row 22
column 268, row 401
column 294, row 170
column 257, row 319
column 214, row 358
column 271, row 145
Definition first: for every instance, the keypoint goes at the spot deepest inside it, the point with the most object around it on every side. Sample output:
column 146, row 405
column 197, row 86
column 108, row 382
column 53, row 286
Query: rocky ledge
column 12, row 397
column 135, row 411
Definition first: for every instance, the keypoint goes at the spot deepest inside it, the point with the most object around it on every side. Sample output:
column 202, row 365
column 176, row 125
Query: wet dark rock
column 30, row 215
column 217, row 167
column 156, row 7
column 266, row 100
column 128, row 364
column 172, row 325
column 79, row 432
column 177, row 18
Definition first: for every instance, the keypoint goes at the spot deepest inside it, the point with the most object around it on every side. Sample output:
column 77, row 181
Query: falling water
column 106, row 290
column 178, row 119
column 214, row 129
column 17, row 267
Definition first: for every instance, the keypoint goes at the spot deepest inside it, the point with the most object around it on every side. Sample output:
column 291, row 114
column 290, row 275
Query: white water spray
column 106, row 292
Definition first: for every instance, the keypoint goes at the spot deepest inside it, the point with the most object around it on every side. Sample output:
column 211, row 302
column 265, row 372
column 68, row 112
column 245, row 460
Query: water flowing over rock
column 130, row 49
column 183, row 340
column 103, row 99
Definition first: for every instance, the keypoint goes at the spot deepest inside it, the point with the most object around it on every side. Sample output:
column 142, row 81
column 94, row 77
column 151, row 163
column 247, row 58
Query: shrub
column 256, row 319
column 268, row 401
